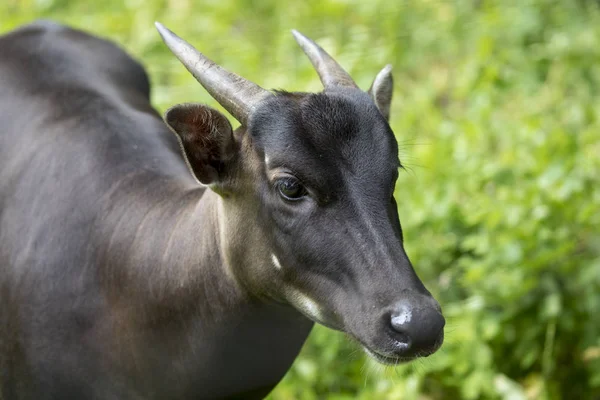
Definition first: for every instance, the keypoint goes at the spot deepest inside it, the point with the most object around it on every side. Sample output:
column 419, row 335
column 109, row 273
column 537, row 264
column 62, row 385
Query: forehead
column 333, row 132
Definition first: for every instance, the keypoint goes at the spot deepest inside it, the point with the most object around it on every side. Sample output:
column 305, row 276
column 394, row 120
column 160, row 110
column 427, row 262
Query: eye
column 290, row 189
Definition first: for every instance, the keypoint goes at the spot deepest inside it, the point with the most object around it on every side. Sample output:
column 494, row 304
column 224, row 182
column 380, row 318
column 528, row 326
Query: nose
column 417, row 327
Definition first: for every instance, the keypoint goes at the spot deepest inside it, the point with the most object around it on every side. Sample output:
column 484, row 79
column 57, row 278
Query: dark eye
column 291, row 189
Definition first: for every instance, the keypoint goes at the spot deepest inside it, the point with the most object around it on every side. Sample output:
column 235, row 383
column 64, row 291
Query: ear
column 206, row 138
column 381, row 91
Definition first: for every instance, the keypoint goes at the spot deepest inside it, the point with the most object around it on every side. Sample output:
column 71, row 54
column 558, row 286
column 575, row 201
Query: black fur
column 122, row 278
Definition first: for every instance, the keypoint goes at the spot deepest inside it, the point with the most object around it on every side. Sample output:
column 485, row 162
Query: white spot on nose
column 404, row 317
column 276, row 262
column 266, row 160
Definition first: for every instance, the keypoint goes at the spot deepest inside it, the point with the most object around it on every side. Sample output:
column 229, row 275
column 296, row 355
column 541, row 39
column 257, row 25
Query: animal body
column 136, row 263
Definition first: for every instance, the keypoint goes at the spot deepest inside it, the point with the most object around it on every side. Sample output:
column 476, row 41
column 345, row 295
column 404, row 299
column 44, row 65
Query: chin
column 387, row 360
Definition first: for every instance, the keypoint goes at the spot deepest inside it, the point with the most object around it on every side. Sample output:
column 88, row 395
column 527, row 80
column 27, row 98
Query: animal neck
column 183, row 250
column 176, row 285
column 167, row 249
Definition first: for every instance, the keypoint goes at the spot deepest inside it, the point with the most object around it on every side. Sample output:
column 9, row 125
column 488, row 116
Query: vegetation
column 497, row 109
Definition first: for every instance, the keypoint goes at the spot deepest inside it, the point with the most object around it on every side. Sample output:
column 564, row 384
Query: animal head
column 307, row 188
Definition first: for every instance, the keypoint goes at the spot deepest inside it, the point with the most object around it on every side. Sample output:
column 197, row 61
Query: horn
column 330, row 72
column 236, row 94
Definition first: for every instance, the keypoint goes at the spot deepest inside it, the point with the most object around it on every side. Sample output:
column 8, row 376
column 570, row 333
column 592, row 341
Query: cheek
column 306, row 305
column 291, row 219
column 306, row 245
column 276, row 262
column 317, row 303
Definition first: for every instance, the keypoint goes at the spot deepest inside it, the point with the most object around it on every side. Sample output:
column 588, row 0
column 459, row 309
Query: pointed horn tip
column 171, row 39
column 300, row 38
column 160, row 27
column 163, row 31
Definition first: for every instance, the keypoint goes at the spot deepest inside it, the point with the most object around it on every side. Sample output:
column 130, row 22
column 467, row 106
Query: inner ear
column 381, row 91
column 206, row 139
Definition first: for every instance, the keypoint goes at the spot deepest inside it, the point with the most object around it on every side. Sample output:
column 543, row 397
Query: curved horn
column 236, row 94
column 330, row 72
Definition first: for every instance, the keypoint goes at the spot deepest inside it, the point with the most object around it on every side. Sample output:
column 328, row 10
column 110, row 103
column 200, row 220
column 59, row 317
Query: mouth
column 387, row 360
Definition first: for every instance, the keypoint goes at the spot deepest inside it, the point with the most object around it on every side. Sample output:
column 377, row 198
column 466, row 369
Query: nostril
column 402, row 341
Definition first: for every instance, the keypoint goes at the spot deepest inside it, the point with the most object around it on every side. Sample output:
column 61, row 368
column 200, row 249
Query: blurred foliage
column 497, row 111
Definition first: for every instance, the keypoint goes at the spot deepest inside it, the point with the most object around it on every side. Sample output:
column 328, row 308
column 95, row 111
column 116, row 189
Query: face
column 324, row 173
column 308, row 210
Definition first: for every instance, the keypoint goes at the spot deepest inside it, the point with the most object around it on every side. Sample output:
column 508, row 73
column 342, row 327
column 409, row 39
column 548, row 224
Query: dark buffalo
column 132, row 270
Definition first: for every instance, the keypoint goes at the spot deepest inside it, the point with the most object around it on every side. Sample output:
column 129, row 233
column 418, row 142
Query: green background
column 497, row 112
